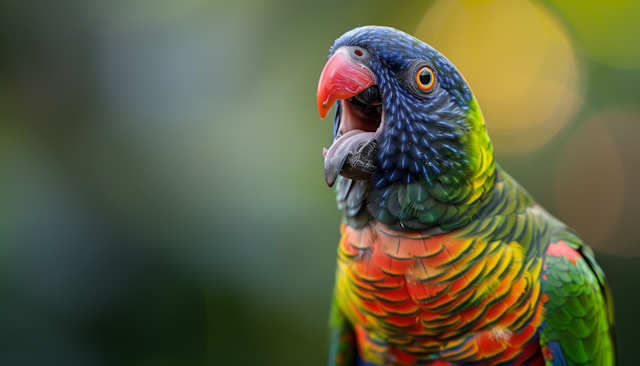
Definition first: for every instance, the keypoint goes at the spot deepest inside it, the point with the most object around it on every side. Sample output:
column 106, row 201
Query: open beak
column 341, row 78
column 352, row 153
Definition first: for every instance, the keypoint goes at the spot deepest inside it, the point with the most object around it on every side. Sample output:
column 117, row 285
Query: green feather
column 577, row 315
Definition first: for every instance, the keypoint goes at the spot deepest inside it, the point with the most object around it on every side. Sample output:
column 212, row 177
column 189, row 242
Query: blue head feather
column 423, row 134
column 430, row 138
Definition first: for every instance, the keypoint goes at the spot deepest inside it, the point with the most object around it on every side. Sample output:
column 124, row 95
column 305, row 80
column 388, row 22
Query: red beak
column 341, row 78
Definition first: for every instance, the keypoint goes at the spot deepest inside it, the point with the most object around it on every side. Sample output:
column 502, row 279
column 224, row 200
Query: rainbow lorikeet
column 444, row 259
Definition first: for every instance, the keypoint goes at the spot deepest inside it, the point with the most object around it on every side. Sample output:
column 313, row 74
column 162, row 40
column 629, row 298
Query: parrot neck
column 435, row 172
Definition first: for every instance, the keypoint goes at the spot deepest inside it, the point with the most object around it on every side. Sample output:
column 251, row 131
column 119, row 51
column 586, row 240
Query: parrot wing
column 578, row 327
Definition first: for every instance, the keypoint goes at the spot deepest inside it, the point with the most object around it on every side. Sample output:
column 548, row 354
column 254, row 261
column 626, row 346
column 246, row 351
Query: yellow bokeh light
column 518, row 61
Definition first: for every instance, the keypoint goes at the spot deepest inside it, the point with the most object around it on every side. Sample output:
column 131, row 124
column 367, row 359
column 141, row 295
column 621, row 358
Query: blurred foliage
column 162, row 192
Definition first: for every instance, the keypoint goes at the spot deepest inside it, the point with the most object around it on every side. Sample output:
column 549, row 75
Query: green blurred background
column 162, row 196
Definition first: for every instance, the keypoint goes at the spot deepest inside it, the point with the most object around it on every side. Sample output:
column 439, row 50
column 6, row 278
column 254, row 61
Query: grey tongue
column 351, row 155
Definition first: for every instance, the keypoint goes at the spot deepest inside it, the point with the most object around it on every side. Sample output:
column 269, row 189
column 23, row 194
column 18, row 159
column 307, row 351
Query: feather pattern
column 443, row 258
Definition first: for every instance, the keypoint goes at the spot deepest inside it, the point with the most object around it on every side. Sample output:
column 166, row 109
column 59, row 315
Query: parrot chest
column 421, row 294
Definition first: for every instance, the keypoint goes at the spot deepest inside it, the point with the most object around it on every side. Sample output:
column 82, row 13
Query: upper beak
column 341, row 78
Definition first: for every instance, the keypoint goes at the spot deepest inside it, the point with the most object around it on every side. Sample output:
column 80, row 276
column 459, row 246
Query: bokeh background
column 162, row 196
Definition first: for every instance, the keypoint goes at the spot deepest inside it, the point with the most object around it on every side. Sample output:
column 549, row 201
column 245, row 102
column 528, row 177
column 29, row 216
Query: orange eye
column 425, row 78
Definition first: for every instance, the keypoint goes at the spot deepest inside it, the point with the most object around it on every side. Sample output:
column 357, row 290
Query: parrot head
column 404, row 116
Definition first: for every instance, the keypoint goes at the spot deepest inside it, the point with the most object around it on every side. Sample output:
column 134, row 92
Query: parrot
column 443, row 258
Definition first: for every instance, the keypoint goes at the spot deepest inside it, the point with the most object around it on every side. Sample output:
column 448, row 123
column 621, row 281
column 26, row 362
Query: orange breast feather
column 458, row 296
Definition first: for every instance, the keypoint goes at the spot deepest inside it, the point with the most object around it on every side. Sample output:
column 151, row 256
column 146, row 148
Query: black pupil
column 425, row 77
